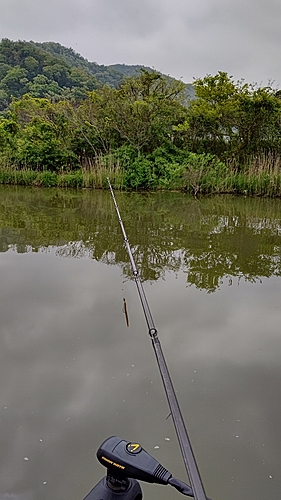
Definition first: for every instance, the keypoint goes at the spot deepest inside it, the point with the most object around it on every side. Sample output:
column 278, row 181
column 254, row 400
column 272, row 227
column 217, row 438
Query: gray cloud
column 183, row 38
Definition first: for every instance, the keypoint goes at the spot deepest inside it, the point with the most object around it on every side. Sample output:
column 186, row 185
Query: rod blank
column 184, row 442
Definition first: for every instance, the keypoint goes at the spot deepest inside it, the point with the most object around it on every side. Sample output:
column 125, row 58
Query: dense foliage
column 234, row 119
column 50, row 70
column 145, row 133
column 133, row 127
column 112, row 75
column 55, row 72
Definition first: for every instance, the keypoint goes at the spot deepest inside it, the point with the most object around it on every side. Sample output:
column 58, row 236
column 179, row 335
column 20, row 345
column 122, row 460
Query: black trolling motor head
column 126, row 459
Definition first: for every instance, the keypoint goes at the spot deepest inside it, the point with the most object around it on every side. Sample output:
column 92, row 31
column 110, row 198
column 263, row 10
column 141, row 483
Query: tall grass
column 92, row 174
column 95, row 172
column 262, row 177
column 197, row 174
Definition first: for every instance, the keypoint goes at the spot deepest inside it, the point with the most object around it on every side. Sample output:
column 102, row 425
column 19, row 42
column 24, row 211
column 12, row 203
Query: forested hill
column 103, row 74
column 53, row 71
column 48, row 70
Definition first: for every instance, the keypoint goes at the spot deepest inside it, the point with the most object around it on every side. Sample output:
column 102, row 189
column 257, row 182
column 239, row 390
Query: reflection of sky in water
column 72, row 374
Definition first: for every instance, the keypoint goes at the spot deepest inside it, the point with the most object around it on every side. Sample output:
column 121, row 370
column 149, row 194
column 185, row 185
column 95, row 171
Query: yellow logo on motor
column 133, row 447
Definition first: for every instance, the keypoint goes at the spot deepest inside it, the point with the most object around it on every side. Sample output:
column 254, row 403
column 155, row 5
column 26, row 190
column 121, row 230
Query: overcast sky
column 184, row 38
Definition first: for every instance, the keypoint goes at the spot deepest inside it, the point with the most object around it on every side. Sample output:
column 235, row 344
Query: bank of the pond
column 261, row 183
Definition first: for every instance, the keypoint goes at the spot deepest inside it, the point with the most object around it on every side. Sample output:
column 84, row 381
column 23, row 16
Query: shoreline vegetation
column 257, row 181
column 147, row 135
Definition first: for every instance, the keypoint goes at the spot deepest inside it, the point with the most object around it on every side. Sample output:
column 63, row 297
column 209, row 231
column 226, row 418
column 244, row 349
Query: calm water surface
column 72, row 373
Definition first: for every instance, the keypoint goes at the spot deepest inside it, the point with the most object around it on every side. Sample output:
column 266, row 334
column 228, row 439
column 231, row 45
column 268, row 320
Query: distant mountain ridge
column 51, row 70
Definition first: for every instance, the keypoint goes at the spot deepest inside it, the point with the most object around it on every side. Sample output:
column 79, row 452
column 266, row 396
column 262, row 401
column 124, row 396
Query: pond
column 73, row 373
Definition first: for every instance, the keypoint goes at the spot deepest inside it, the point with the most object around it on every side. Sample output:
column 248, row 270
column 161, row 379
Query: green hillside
column 50, row 70
column 103, row 74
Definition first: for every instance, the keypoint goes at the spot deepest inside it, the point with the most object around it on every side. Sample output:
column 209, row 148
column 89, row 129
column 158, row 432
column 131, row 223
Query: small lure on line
column 125, row 311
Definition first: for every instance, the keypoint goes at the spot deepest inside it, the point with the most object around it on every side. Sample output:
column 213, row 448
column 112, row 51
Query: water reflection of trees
column 211, row 239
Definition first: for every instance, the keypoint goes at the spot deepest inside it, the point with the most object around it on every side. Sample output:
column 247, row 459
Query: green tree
column 142, row 113
column 41, row 86
column 147, row 108
column 4, row 68
column 8, row 134
column 32, row 65
column 232, row 119
column 4, row 99
column 94, row 123
column 44, row 137
column 15, row 81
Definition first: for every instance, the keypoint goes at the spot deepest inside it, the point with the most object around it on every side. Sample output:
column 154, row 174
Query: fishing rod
column 124, row 459
column 184, row 442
